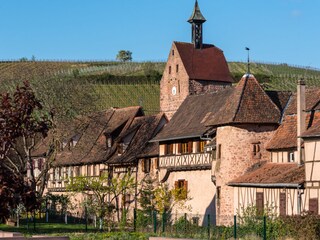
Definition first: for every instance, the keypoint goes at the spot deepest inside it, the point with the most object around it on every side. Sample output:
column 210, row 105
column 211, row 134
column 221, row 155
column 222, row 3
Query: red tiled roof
column 189, row 120
column 272, row 174
column 144, row 128
column 245, row 103
column 207, row 63
column 248, row 103
column 286, row 135
column 312, row 101
column 91, row 146
column 313, row 131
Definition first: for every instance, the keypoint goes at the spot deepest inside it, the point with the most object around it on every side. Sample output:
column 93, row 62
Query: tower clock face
column 174, row 90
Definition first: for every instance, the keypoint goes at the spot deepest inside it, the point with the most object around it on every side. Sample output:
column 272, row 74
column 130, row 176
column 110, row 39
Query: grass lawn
column 74, row 231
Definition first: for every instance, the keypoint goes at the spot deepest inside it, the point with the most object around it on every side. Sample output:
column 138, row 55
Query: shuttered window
column 314, row 205
column 156, row 163
column 184, row 147
column 201, row 145
column 182, row 187
column 146, row 165
column 190, row 147
column 179, row 147
column 283, row 204
column 168, row 149
column 259, row 203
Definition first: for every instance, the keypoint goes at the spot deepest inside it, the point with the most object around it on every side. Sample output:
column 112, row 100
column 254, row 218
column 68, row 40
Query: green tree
column 146, row 201
column 99, row 188
column 124, row 56
column 166, row 199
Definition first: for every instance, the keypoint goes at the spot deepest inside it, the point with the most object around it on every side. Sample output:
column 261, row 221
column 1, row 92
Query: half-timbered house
column 113, row 141
column 284, row 183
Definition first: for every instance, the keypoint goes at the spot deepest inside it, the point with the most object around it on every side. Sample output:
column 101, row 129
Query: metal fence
column 177, row 225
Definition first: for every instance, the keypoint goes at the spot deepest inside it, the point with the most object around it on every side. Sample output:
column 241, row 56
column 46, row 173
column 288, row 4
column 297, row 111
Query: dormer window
column 108, row 140
column 121, row 148
column 64, row 144
column 290, row 156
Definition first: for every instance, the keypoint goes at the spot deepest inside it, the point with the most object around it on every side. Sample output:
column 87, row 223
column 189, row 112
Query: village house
column 232, row 147
column 229, row 146
column 114, row 141
column 281, row 183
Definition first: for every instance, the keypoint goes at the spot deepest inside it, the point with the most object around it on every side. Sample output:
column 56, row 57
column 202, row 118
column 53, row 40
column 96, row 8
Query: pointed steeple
column 196, row 20
column 196, row 15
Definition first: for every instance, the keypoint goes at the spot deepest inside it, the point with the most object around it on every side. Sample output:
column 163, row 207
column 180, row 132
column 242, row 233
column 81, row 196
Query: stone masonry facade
column 242, row 148
column 174, row 84
column 205, row 86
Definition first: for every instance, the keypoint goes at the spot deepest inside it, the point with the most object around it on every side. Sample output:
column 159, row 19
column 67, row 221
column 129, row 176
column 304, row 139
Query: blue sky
column 281, row 31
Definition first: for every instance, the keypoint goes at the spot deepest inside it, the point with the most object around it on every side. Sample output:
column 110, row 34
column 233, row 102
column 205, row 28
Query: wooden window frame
column 146, row 165
column 157, row 163
column 201, row 145
column 180, row 185
column 168, row 149
column 190, row 147
column 184, row 147
column 291, row 159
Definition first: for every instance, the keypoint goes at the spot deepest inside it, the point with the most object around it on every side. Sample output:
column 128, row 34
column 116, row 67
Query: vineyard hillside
column 77, row 87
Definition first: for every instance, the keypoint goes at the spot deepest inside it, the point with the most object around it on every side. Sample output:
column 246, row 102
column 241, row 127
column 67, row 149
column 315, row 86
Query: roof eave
column 175, row 138
column 310, row 136
column 267, row 185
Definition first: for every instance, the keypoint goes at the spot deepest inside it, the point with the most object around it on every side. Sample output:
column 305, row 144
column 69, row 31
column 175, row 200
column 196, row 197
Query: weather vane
column 248, row 49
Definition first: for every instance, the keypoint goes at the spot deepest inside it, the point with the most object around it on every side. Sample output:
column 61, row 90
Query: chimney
column 301, row 117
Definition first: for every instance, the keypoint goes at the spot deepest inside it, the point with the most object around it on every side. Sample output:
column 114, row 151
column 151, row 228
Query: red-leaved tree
column 22, row 124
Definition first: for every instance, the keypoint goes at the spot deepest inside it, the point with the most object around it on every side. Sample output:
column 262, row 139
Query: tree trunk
column 66, row 217
column 117, row 208
column 100, row 223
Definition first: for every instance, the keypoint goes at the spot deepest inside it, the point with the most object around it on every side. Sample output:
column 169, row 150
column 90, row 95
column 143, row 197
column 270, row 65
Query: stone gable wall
column 206, row 86
column 169, row 103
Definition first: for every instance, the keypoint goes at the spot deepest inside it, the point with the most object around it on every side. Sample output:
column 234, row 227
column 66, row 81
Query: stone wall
column 206, row 86
column 236, row 157
column 174, row 85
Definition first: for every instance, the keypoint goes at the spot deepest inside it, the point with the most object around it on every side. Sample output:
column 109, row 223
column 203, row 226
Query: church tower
column 196, row 20
column 192, row 68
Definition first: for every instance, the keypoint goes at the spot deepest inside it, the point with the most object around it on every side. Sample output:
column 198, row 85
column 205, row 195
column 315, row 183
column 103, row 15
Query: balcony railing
column 186, row 160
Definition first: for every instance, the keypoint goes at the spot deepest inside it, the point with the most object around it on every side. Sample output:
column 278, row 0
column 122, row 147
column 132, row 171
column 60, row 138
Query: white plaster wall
column 200, row 189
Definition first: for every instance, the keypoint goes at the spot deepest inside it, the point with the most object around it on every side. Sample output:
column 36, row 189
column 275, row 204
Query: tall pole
column 248, row 49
